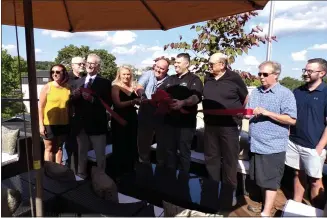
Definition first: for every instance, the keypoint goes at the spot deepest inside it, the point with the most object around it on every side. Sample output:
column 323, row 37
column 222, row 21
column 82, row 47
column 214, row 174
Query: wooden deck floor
column 245, row 201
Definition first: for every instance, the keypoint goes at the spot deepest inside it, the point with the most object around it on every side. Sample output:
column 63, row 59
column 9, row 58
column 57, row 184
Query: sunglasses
column 264, row 74
column 55, row 72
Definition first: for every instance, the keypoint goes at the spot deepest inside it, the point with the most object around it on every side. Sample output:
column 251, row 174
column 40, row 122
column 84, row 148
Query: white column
column 270, row 29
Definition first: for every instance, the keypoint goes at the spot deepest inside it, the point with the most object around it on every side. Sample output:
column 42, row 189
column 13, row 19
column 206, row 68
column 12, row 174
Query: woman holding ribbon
column 124, row 138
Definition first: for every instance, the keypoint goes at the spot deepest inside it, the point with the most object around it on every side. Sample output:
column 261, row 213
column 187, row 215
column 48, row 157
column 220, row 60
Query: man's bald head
column 161, row 68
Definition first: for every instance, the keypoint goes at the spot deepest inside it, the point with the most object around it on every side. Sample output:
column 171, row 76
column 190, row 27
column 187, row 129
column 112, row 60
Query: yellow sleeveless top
column 56, row 107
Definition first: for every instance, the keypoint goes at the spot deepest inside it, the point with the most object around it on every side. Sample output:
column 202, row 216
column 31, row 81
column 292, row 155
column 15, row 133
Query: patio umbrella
column 105, row 15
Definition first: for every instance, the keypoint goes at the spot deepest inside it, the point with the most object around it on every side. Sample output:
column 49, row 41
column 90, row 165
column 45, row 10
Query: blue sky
column 300, row 27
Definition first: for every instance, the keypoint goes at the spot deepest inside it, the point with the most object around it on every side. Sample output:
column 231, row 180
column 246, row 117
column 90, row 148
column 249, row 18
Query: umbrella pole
column 30, row 54
column 270, row 29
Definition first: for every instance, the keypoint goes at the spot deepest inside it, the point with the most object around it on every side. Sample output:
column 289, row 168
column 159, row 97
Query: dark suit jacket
column 91, row 116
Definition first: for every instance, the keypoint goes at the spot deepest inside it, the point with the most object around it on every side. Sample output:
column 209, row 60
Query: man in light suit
column 90, row 114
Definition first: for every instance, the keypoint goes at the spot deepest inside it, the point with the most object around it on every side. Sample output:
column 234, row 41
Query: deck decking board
column 243, row 211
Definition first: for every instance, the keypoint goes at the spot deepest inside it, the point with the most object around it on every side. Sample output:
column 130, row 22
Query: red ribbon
column 230, row 112
column 162, row 100
column 116, row 116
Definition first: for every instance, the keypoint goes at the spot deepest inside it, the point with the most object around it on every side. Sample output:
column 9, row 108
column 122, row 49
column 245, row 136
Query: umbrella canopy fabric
column 105, row 15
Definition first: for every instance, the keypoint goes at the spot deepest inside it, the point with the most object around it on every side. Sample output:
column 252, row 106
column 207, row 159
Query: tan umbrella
column 104, row 15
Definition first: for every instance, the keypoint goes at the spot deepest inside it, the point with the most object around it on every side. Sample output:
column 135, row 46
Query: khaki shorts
column 307, row 159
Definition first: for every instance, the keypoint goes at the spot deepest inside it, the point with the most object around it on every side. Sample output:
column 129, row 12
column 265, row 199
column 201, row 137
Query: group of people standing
column 285, row 127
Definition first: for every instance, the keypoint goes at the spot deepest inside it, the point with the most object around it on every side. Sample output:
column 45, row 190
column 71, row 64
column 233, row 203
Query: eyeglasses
column 310, row 71
column 80, row 64
column 91, row 64
column 264, row 74
column 55, row 72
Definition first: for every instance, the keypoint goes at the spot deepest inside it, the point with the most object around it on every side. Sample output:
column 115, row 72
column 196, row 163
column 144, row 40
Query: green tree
column 291, row 83
column 109, row 67
column 10, row 84
column 249, row 79
column 226, row 35
column 43, row 65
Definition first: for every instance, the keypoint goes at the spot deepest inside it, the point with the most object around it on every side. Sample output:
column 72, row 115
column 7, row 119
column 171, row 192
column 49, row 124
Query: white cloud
column 11, row 49
column 118, row 38
column 123, row 50
column 128, row 51
column 318, row 47
column 296, row 69
column 57, row 34
column 123, row 37
column 155, row 48
column 97, row 35
column 295, row 17
column 100, row 35
column 299, row 56
column 37, row 50
column 251, row 61
column 161, row 53
column 284, row 6
column 147, row 62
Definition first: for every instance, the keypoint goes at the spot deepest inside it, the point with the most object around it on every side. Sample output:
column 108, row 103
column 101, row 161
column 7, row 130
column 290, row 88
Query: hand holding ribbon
column 118, row 118
column 87, row 96
column 165, row 104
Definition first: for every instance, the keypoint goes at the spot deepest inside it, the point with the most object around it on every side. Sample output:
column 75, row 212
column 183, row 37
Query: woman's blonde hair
column 117, row 80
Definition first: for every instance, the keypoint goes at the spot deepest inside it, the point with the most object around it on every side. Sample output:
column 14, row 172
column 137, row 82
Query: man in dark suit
column 71, row 146
column 91, row 116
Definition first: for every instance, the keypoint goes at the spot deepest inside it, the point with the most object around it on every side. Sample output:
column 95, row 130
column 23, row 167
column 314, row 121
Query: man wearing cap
column 223, row 89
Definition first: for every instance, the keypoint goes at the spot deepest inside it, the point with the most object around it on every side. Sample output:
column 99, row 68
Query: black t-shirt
column 181, row 88
column 228, row 92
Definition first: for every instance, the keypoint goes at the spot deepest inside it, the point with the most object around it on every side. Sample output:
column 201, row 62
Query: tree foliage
column 249, row 79
column 109, row 67
column 291, row 83
column 226, row 35
column 43, row 65
column 10, row 84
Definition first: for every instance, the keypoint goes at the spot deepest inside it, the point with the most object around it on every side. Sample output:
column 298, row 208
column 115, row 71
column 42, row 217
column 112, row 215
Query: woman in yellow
column 53, row 113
